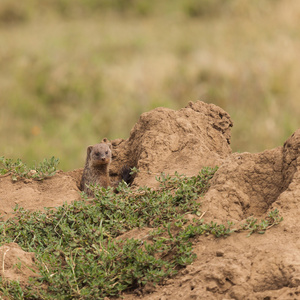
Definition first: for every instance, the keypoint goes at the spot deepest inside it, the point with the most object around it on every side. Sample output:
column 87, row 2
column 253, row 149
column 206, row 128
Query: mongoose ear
column 88, row 151
column 106, row 141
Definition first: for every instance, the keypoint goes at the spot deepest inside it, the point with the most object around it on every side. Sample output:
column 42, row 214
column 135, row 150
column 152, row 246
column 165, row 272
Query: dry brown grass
column 66, row 82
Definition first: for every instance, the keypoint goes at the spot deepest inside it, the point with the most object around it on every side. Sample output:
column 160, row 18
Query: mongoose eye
column 97, row 153
column 106, row 152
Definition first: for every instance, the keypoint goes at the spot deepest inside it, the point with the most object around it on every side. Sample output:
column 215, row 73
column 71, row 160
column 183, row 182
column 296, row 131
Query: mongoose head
column 99, row 154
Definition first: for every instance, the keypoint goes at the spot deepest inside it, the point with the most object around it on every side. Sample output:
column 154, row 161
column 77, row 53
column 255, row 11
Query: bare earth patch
column 163, row 140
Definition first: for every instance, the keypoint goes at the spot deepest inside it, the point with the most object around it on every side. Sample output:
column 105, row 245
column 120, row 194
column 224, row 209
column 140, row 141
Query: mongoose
column 96, row 167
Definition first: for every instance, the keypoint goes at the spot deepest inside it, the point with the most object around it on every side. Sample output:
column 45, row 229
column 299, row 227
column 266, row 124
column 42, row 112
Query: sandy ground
column 263, row 266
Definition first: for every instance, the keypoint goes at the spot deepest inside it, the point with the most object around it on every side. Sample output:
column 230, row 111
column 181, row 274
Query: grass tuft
column 19, row 170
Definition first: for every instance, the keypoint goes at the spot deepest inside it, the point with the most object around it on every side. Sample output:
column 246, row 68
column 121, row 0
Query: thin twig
column 271, row 225
column 3, row 261
column 202, row 215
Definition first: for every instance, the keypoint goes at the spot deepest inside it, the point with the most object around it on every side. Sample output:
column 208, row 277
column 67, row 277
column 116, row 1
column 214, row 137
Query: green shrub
column 77, row 252
column 18, row 169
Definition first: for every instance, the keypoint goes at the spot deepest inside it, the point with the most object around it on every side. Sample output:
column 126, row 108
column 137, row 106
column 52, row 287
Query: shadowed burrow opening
column 123, row 161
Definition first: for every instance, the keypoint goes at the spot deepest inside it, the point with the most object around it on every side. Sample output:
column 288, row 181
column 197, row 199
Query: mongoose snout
column 99, row 154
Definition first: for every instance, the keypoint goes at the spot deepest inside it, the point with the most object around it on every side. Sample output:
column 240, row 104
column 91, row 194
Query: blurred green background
column 73, row 72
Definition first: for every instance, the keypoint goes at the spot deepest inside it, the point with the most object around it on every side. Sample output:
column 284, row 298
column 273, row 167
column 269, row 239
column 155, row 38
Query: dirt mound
column 248, row 184
column 245, row 184
column 165, row 140
column 35, row 195
column 17, row 264
column 238, row 267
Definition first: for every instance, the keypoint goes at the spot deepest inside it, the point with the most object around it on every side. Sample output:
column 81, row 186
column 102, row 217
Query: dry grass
column 66, row 82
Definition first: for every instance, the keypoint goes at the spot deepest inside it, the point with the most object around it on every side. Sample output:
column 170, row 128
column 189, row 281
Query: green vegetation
column 77, row 252
column 73, row 72
column 18, row 169
column 271, row 220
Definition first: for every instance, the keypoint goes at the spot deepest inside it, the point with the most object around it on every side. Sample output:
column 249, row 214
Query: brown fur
column 96, row 167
